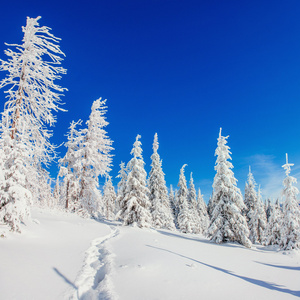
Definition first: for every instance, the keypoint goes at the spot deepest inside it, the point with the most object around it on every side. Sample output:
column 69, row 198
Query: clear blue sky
column 182, row 69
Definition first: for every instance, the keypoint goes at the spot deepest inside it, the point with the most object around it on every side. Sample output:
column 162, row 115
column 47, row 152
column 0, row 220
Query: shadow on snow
column 265, row 284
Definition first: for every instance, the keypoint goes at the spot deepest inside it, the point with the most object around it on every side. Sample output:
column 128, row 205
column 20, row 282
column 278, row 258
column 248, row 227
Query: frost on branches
column 290, row 224
column 192, row 202
column 160, row 204
column 121, row 188
column 255, row 213
column 227, row 222
column 203, row 214
column 136, row 205
column 32, row 96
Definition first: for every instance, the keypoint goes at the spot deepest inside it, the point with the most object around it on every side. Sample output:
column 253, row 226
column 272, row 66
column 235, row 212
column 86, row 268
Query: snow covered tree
column 32, row 96
column 68, row 185
column 290, row 224
column 136, row 205
column 268, row 209
column 158, row 196
column 192, row 202
column 184, row 219
column 173, row 204
column 203, row 214
column 109, row 199
column 272, row 231
column 227, row 222
column 94, row 157
column 121, row 187
column 255, row 213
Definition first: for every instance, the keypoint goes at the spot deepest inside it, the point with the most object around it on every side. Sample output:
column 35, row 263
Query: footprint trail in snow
column 94, row 279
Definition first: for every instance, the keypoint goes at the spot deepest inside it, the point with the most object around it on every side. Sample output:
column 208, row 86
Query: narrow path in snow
column 94, row 280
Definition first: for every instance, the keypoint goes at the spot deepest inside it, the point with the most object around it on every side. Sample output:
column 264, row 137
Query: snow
column 63, row 256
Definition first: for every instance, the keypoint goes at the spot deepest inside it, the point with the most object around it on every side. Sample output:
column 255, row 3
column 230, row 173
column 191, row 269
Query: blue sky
column 182, row 69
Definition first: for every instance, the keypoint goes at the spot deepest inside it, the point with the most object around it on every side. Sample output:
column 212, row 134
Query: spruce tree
column 158, row 196
column 121, row 188
column 192, row 201
column 272, row 231
column 227, row 222
column 184, row 218
column 203, row 214
column 109, row 199
column 136, row 204
column 290, row 224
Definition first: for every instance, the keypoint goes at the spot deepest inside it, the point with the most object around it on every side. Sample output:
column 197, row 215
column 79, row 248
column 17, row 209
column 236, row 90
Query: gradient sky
column 182, row 69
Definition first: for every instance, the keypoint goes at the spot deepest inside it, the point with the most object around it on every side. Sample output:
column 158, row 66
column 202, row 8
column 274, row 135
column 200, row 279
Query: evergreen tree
column 192, row 201
column 173, row 203
column 272, row 231
column 184, row 218
column 94, row 157
column 32, row 96
column 255, row 213
column 160, row 205
column 203, row 214
column 136, row 204
column 121, row 188
column 290, row 224
column 268, row 209
column 109, row 199
column 227, row 222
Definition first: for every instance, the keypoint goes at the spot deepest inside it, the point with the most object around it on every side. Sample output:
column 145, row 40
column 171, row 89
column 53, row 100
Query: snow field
column 62, row 256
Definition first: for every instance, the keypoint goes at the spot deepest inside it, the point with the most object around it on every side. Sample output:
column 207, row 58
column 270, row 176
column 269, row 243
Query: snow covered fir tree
column 158, row 193
column 135, row 206
column 290, row 222
column 227, row 222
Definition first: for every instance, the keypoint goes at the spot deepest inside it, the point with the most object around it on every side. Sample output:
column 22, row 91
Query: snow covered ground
column 62, row 256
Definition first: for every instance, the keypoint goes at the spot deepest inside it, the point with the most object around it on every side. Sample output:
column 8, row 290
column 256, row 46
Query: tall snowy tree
column 173, row 204
column 290, row 224
column 109, row 199
column 136, row 205
column 67, row 184
column 272, row 231
column 255, row 213
column 94, row 157
column 32, row 96
column 158, row 196
column 227, row 222
column 184, row 219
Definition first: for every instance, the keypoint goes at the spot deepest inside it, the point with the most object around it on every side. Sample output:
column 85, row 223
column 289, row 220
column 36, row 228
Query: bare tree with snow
column 32, row 96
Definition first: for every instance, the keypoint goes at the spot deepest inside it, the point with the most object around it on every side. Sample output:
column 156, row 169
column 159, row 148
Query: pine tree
column 160, row 205
column 121, row 188
column 290, row 224
column 192, row 202
column 136, row 204
column 95, row 157
column 268, row 209
column 203, row 214
column 272, row 231
column 32, row 96
column 109, row 199
column 173, row 204
column 184, row 218
column 255, row 213
column 227, row 222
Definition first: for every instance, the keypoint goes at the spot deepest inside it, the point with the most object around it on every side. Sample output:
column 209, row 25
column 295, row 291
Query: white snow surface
column 62, row 256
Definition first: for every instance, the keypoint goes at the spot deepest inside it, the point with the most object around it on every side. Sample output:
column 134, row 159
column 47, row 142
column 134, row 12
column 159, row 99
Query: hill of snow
column 62, row 256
